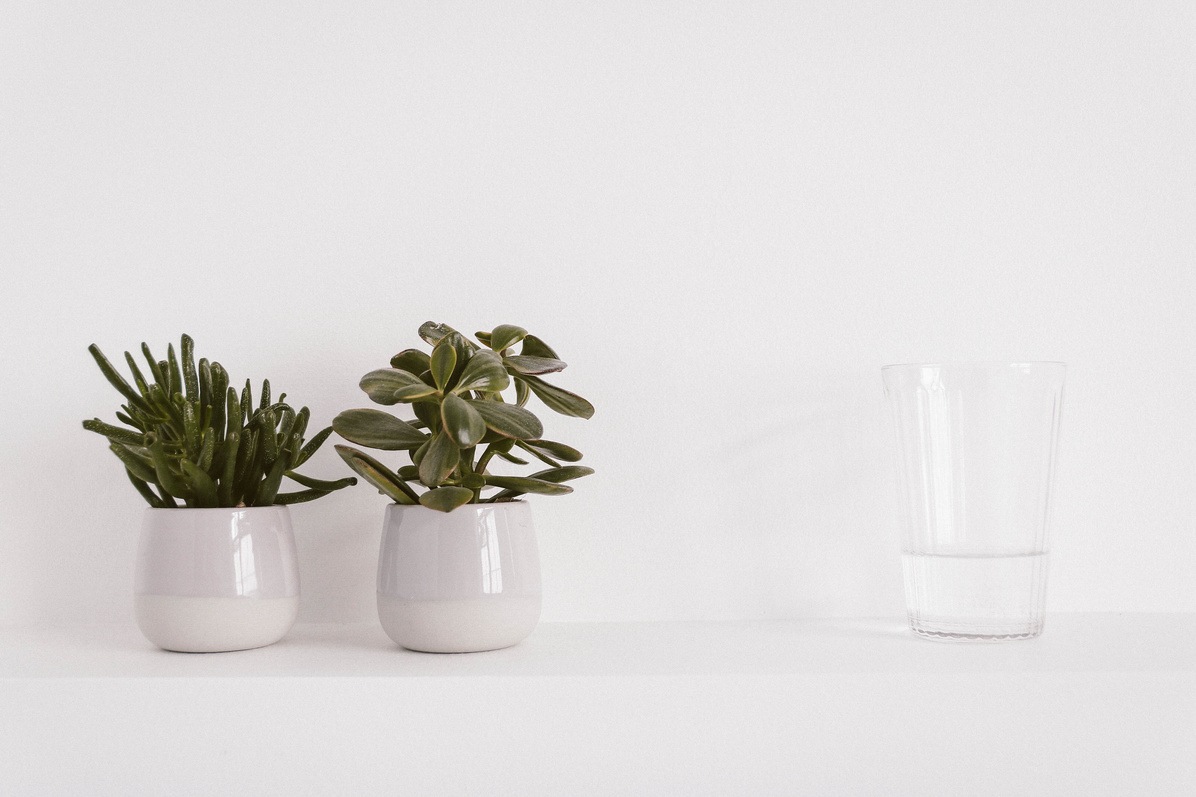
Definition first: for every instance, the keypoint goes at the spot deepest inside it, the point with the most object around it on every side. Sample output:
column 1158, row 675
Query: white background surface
column 725, row 216
column 1100, row 705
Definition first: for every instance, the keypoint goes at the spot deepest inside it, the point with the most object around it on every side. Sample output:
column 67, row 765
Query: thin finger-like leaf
column 509, row 420
column 190, row 377
column 224, row 490
column 378, row 475
column 146, row 493
column 115, row 433
column 207, row 450
column 534, row 347
column 524, row 364
column 232, row 414
column 170, row 481
column 377, row 429
column 268, row 489
column 312, row 446
column 462, row 422
column 116, row 380
column 205, row 382
column 439, row 460
column 320, row 484
column 380, row 385
column 504, row 336
column 191, row 429
column 138, row 377
column 155, row 366
column 559, row 399
column 484, row 371
column 446, row 499
column 299, row 497
column 202, row 486
column 444, row 360
column 172, row 372
column 269, row 442
column 411, row 360
column 134, row 464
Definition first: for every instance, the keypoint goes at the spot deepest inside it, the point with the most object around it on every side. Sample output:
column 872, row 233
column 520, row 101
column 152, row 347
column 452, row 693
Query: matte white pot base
column 213, row 625
column 459, row 626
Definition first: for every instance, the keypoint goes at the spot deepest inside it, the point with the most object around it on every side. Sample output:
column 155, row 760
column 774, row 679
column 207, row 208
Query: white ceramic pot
column 211, row 580
column 460, row 581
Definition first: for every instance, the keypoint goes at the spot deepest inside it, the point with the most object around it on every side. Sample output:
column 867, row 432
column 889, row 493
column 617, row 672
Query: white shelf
column 1100, row 704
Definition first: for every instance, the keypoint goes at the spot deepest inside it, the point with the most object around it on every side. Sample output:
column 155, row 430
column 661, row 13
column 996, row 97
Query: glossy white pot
column 210, row 580
column 460, row 581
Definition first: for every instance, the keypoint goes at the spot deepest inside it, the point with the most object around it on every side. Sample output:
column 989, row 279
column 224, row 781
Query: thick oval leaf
column 417, row 456
column 484, row 371
column 540, row 455
column 378, row 475
column 474, row 481
column 462, row 422
column 534, row 365
column 555, row 450
column 446, row 499
column 504, row 336
column 433, row 333
column 411, row 360
column 377, row 429
column 509, row 457
column 509, row 420
column 439, row 460
column 559, row 399
column 558, row 475
column 526, row 485
column 484, row 337
column 414, row 392
column 534, row 347
column 380, row 385
column 444, row 360
column 428, row 413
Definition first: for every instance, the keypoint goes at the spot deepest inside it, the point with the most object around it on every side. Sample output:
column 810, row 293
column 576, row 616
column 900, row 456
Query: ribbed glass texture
column 976, row 450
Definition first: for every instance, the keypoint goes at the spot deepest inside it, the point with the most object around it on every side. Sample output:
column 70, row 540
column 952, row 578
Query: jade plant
column 188, row 439
column 463, row 421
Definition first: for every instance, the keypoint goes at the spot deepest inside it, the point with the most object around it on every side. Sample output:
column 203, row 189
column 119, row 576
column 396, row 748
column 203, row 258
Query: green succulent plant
column 188, row 438
column 462, row 421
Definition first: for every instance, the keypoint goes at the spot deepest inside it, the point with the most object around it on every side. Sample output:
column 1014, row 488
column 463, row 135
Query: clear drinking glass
column 976, row 446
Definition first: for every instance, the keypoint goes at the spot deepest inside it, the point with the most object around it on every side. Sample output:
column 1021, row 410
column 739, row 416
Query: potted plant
column 216, row 567
column 458, row 569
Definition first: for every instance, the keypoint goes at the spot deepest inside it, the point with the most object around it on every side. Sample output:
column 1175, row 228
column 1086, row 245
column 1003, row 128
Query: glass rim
column 980, row 364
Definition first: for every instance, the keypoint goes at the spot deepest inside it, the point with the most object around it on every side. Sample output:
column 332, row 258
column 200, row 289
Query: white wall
column 726, row 216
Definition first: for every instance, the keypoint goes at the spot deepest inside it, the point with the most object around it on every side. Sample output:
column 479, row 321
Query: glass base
column 974, row 632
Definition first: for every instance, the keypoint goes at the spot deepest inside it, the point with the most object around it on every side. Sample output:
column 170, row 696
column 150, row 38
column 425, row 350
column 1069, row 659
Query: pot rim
column 516, row 502
column 214, row 509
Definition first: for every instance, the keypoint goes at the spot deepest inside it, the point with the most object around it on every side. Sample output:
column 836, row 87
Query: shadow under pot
column 211, row 580
column 460, row 581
